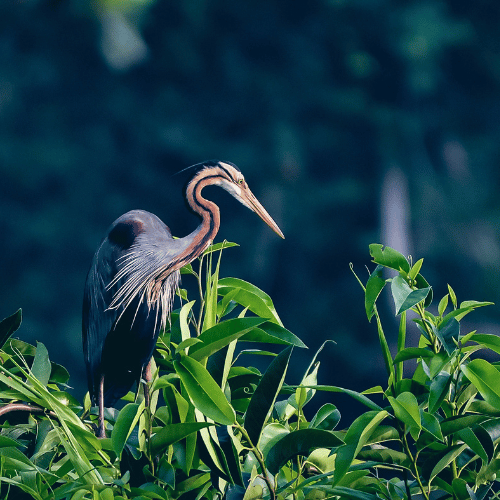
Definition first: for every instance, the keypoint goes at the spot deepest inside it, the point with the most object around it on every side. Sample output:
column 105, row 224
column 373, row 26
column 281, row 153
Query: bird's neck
column 205, row 233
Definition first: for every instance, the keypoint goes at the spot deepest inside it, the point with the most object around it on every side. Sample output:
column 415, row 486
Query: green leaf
column 327, row 417
column 422, row 283
column 250, row 296
column 455, row 424
column 355, row 395
column 9, row 326
column 443, row 304
column 465, row 308
column 389, row 257
column 183, row 320
column 204, row 392
column 474, row 304
column 415, row 270
column 41, row 367
column 356, row 437
column 448, row 333
column 300, row 442
column 475, row 442
column 406, row 409
column 172, row 433
column 385, row 456
column 220, row 246
column 222, row 334
column 413, row 353
column 271, row 333
column 486, row 378
column 374, row 286
column 404, row 297
column 453, row 297
column 271, row 434
column 188, row 269
column 125, row 423
column 447, row 459
column 489, row 341
column 431, row 424
column 438, row 390
column 262, row 401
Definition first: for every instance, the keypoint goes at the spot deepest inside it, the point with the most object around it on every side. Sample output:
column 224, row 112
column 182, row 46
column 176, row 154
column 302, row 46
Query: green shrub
column 216, row 426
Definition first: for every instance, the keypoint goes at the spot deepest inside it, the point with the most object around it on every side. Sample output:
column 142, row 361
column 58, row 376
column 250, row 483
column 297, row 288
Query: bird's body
column 132, row 282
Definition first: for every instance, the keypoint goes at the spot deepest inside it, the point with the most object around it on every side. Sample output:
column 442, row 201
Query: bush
column 215, row 427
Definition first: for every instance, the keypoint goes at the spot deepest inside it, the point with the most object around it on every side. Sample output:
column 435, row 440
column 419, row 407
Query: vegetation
column 216, row 426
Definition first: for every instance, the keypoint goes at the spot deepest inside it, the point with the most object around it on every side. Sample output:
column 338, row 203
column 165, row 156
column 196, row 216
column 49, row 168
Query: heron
column 132, row 281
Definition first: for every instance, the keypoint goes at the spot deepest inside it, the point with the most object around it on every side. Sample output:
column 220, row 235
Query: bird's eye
column 240, row 181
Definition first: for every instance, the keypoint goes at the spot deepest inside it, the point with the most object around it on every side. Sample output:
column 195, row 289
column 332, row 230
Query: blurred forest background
column 354, row 122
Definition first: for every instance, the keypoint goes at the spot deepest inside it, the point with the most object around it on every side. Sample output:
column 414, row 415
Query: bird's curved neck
column 204, row 234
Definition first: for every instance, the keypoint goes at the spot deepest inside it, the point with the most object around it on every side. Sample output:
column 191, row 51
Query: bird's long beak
column 248, row 199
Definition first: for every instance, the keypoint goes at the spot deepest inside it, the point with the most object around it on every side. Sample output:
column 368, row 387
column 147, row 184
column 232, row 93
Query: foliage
column 216, row 427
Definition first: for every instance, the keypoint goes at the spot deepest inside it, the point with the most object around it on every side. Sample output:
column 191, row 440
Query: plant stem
column 202, row 300
column 260, row 459
column 414, row 463
column 432, row 337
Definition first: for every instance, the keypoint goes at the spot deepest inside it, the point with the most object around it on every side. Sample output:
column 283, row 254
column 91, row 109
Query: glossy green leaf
column 486, row 378
column 421, row 283
column 184, row 320
column 443, row 304
column 489, row 341
column 59, row 374
column 385, row 457
column 300, row 442
column 206, row 395
column 220, row 246
column 438, row 390
column 125, row 423
column 355, row 395
column 475, row 442
column 356, row 437
column 222, row 334
column 413, row 353
column 415, row 269
column 16, row 460
column 431, row 424
column 327, row 417
column 250, row 296
column 465, row 308
column 474, row 304
column 41, row 367
column 170, row 434
column 188, row 269
column 271, row 333
column 453, row 297
column 455, row 424
column 389, row 257
column 447, row 459
column 404, row 297
column 448, row 333
column 9, row 325
column 406, row 409
column 374, row 286
column 271, row 434
column 262, row 401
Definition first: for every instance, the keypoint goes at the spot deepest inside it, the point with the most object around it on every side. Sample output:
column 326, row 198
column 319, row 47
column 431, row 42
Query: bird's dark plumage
column 112, row 331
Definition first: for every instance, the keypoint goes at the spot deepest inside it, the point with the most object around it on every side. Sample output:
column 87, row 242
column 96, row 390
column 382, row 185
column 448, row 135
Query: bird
column 133, row 278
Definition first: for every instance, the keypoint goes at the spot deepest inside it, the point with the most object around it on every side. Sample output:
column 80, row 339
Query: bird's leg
column 100, row 400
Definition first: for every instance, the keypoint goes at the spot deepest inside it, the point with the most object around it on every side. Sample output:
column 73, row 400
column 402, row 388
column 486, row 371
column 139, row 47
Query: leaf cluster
column 216, row 426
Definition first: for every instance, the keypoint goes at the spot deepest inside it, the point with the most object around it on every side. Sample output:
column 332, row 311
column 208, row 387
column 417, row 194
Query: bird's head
column 229, row 177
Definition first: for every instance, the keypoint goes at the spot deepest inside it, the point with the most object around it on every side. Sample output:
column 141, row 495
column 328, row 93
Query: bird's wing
column 98, row 319
column 135, row 244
